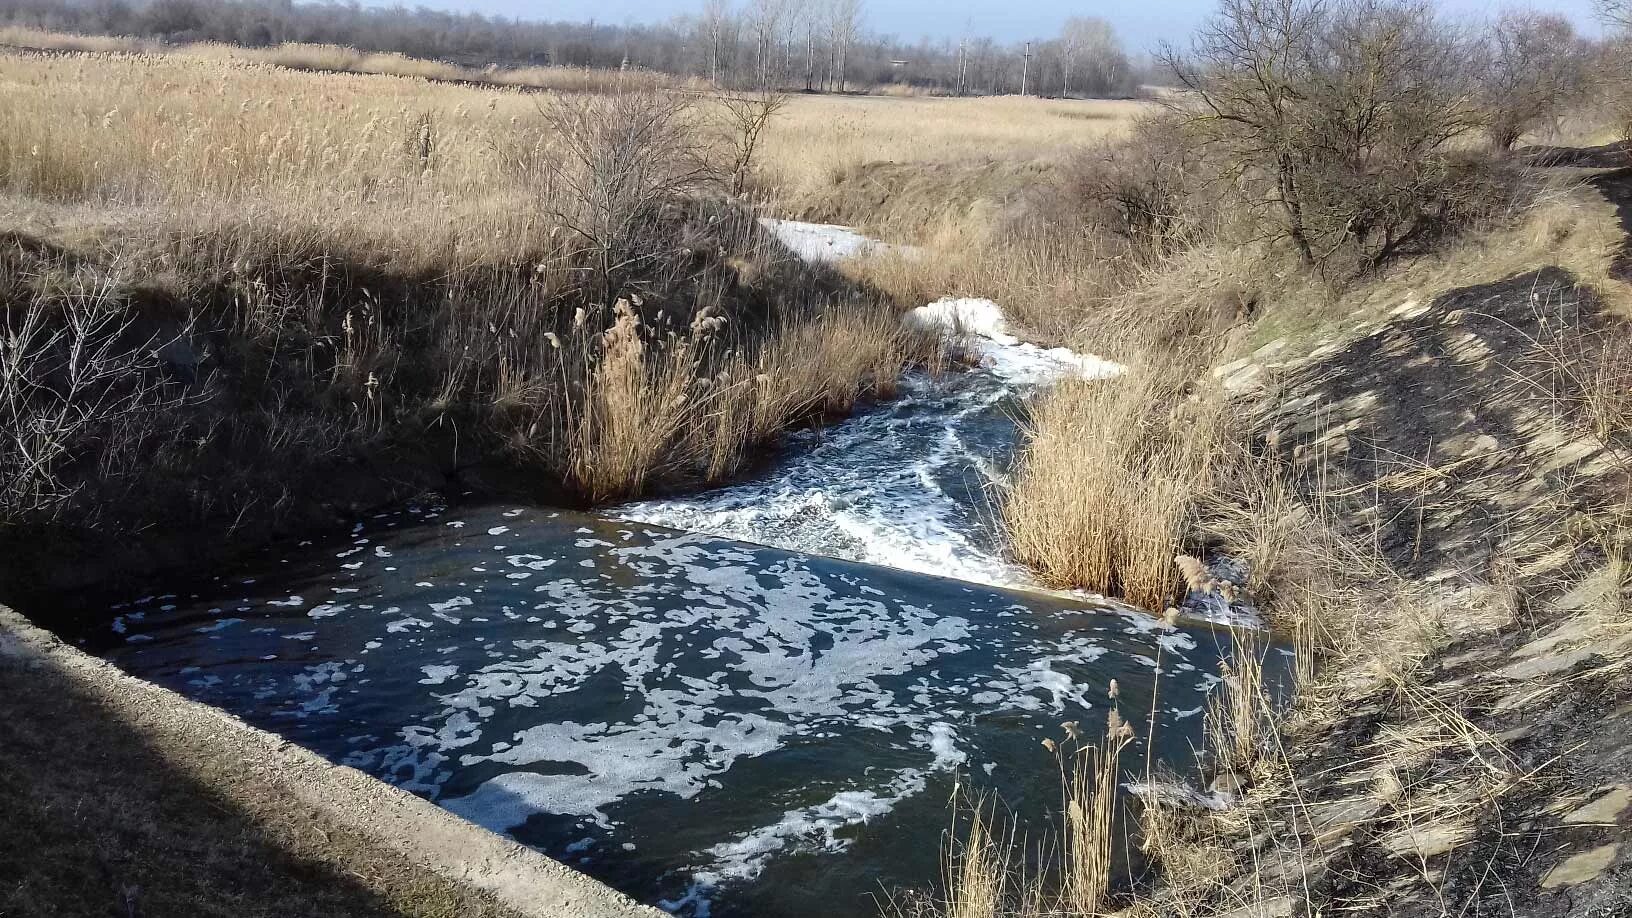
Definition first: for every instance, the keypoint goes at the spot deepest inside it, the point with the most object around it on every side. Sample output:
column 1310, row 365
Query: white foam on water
column 722, row 660
column 904, row 486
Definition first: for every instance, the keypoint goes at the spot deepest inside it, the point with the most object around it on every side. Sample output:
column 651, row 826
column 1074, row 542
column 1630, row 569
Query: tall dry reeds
column 565, row 291
column 988, row 872
column 1107, row 488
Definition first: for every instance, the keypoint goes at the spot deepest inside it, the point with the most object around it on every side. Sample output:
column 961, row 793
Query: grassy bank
column 1415, row 452
column 230, row 286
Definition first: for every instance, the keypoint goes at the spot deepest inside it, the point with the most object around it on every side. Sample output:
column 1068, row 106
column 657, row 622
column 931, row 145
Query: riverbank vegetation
column 1236, row 248
column 233, row 288
column 227, row 284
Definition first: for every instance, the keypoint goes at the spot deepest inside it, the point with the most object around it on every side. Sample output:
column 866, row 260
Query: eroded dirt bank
column 1484, row 770
column 127, row 799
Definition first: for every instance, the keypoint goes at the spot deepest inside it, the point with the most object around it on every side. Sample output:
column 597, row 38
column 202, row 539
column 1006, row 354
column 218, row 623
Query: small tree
column 617, row 159
column 1334, row 118
column 746, row 117
column 1535, row 65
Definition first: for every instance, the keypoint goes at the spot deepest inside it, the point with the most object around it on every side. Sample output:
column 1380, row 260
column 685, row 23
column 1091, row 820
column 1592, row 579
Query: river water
column 755, row 701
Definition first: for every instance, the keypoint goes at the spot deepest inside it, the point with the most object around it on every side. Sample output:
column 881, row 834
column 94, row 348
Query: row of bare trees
column 741, row 44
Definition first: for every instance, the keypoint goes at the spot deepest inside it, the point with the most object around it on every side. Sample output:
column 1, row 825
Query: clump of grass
column 1110, row 480
column 1240, row 712
column 986, row 873
column 1091, row 805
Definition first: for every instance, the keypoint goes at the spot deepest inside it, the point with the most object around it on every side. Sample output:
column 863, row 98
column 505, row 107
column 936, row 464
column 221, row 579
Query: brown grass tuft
column 1109, row 483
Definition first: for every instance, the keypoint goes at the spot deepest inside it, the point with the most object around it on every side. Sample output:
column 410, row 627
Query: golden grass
column 987, row 875
column 186, row 172
column 342, row 59
column 823, row 146
column 24, row 37
column 1108, row 485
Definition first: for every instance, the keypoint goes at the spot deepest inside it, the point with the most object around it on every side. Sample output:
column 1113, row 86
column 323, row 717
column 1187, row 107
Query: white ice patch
column 980, row 323
column 826, row 243
column 952, row 317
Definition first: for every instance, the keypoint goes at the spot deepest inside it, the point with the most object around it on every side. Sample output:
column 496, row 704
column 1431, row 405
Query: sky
column 1143, row 24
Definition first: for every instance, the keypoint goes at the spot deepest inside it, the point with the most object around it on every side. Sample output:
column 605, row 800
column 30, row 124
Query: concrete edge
column 425, row 834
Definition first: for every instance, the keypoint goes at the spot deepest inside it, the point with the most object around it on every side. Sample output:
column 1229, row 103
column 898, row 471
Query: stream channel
column 754, row 701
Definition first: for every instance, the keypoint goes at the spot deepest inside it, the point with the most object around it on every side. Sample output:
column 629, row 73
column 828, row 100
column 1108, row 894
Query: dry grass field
column 820, row 138
column 337, row 59
column 546, row 274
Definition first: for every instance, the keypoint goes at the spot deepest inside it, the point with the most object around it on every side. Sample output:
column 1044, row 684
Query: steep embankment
column 1481, row 769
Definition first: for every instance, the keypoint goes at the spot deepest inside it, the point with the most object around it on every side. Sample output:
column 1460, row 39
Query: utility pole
column 1025, row 68
column 963, row 66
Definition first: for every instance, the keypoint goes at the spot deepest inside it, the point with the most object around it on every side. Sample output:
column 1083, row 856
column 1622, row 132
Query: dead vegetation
column 1109, row 481
column 219, row 300
column 1256, row 214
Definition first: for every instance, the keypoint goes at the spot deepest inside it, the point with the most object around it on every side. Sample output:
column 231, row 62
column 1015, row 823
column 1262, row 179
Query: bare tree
column 1335, row 116
column 765, row 20
column 1616, row 15
column 716, row 22
column 844, row 19
column 621, row 157
column 1091, row 40
column 746, row 117
column 1535, row 65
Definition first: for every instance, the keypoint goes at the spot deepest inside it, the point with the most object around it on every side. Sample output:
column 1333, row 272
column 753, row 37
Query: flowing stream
column 752, row 701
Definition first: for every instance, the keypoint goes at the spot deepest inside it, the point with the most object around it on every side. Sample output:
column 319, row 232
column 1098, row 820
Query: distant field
column 810, row 146
column 819, row 137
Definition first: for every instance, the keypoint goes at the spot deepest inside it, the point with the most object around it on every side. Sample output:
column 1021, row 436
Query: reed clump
column 990, row 873
column 1110, row 480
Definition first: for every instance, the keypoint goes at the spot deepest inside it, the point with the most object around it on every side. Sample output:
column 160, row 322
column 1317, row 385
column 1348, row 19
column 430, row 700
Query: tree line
column 823, row 45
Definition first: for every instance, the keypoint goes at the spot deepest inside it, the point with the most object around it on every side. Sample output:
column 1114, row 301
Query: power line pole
column 963, row 66
column 1025, row 68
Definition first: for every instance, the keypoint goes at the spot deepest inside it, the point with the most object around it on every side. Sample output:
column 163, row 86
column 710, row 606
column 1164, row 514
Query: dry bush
column 1106, row 490
column 616, row 161
column 1337, row 120
column 76, row 379
column 746, row 118
column 1536, row 67
column 1150, row 188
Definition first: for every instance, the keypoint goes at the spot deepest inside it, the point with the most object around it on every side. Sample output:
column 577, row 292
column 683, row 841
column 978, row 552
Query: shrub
column 617, row 160
column 1535, row 67
column 1336, row 120
column 1147, row 189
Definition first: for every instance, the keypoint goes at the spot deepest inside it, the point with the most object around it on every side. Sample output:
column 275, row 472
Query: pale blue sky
column 1142, row 23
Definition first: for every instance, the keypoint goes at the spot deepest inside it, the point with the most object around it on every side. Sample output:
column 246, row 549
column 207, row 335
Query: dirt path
column 125, row 799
